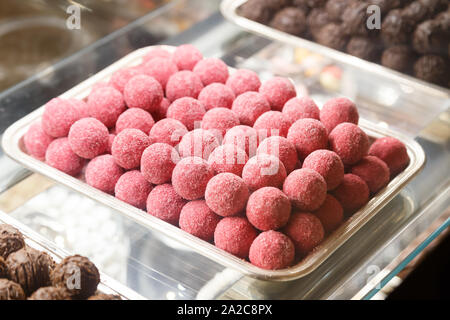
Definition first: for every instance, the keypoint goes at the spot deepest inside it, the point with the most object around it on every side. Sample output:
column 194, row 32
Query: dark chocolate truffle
column 363, row 47
column 385, row 5
column 78, row 275
column 399, row 58
column 3, row 268
column 431, row 38
column 291, row 20
column 9, row 290
column 315, row 3
column 261, row 10
column 332, row 36
column 11, row 240
column 104, row 296
column 396, row 28
column 420, row 10
column 316, row 20
column 432, row 68
column 335, row 8
column 50, row 293
column 354, row 19
column 301, row 4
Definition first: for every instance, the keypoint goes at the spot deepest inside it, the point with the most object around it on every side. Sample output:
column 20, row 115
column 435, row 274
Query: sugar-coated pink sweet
column 121, row 77
column 36, row 141
column 305, row 230
column 168, row 131
column 135, row 118
column 373, row 171
column 164, row 203
column 328, row 164
column 111, row 138
column 226, row 194
column 59, row 155
column 186, row 56
column 59, row 115
column 163, row 107
column 188, row 111
column 278, row 91
column 338, row 110
column 249, row 106
column 243, row 137
column 283, row 149
column 306, row 189
column 350, row 142
column 235, row 235
column 264, row 170
column 216, row 95
column 268, row 208
column 199, row 143
column 272, row 250
column 243, row 80
column 190, row 177
column 88, row 138
column 219, row 120
column 393, row 152
column 199, row 220
column 352, row 193
column 81, row 106
column 158, row 162
column 143, row 92
column 102, row 173
column 183, row 84
column 228, row 158
column 106, row 104
column 128, row 147
column 272, row 123
column 99, row 85
column 330, row 214
column 160, row 68
column 133, row 188
column 211, row 70
column 308, row 135
column 301, row 108
column 156, row 53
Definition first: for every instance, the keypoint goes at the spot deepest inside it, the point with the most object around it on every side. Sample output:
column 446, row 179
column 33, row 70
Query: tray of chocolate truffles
column 33, row 268
column 246, row 173
column 411, row 44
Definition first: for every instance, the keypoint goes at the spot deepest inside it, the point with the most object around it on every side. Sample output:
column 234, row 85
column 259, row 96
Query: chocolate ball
column 301, row 4
column 256, row 10
column 396, row 28
column 332, row 36
column 363, row 47
column 430, row 37
column 315, row 3
column 399, row 58
column 104, row 296
column 432, row 68
column 50, row 293
column 316, row 20
column 9, row 290
column 335, row 8
column 3, row 268
column 354, row 19
column 421, row 10
column 78, row 275
column 11, row 240
column 385, row 5
column 291, row 20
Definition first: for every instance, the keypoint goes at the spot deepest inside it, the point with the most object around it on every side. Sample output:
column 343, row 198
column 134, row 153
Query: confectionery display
column 413, row 37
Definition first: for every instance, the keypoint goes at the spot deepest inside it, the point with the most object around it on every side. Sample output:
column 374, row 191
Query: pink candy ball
column 249, row 106
column 352, row 193
column 133, row 189
column 211, row 70
column 226, row 194
column 36, row 141
column 268, row 208
column 106, row 104
column 88, row 138
column 186, row 56
column 190, row 177
column 216, row 95
column 235, row 235
column 163, row 107
column 160, row 69
column 373, row 171
column 219, row 121
column 156, row 53
column 164, row 203
column 111, row 138
column 393, row 152
column 128, row 147
column 272, row 123
column 188, row 111
column 135, row 118
column 121, row 77
column 183, row 84
column 301, row 108
column 158, row 162
column 102, row 173
column 338, row 110
column 328, row 164
column 59, row 155
column 278, row 91
column 59, row 115
column 228, row 158
column 330, row 214
column 283, row 149
column 199, row 143
column 143, row 92
column 263, row 171
column 308, row 135
column 81, row 106
column 168, row 131
column 199, row 220
column 306, row 232
column 243, row 80
column 350, row 142
column 243, row 137
column 272, row 250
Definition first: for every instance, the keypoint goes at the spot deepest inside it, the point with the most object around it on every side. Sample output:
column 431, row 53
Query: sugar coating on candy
column 106, row 104
column 160, row 68
column 235, row 235
column 190, row 177
column 328, row 164
column 88, row 138
column 158, row 162
column 199, row 220
column 59, row 155
column 135, row 118
column 99, row 85
column 216, row 95
column 301, row 108
column 168, row 131
column 393, row 152
column 243, row 80
column 143, row 92
column 330, row 214
column 352, row 193
column 81, row 106
column 281, row 148
column 272, row 250
column 226, row 194
column 264, row 170
column 102, row 173
column 338, row 110
column 162, row 111
column 268, row 208
column 219, row 121
column 183, row 84
column 156, row 53
column 350, row 142
column 243, row 137
column 228, row 158
column 36, row 141
column 211, row 70
column 121, row 77
column 164, row 203
column 272, row 123
column 111, row 138
column 308, row 135
column 305, row 230
column 133, row 188
column 249, row 106
column 199, row 143
column 128, row 147
column 187, row 110
column 306, row 189
column 186, row 56
column 278, row 91
column 59, row 115
column 373, row 171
